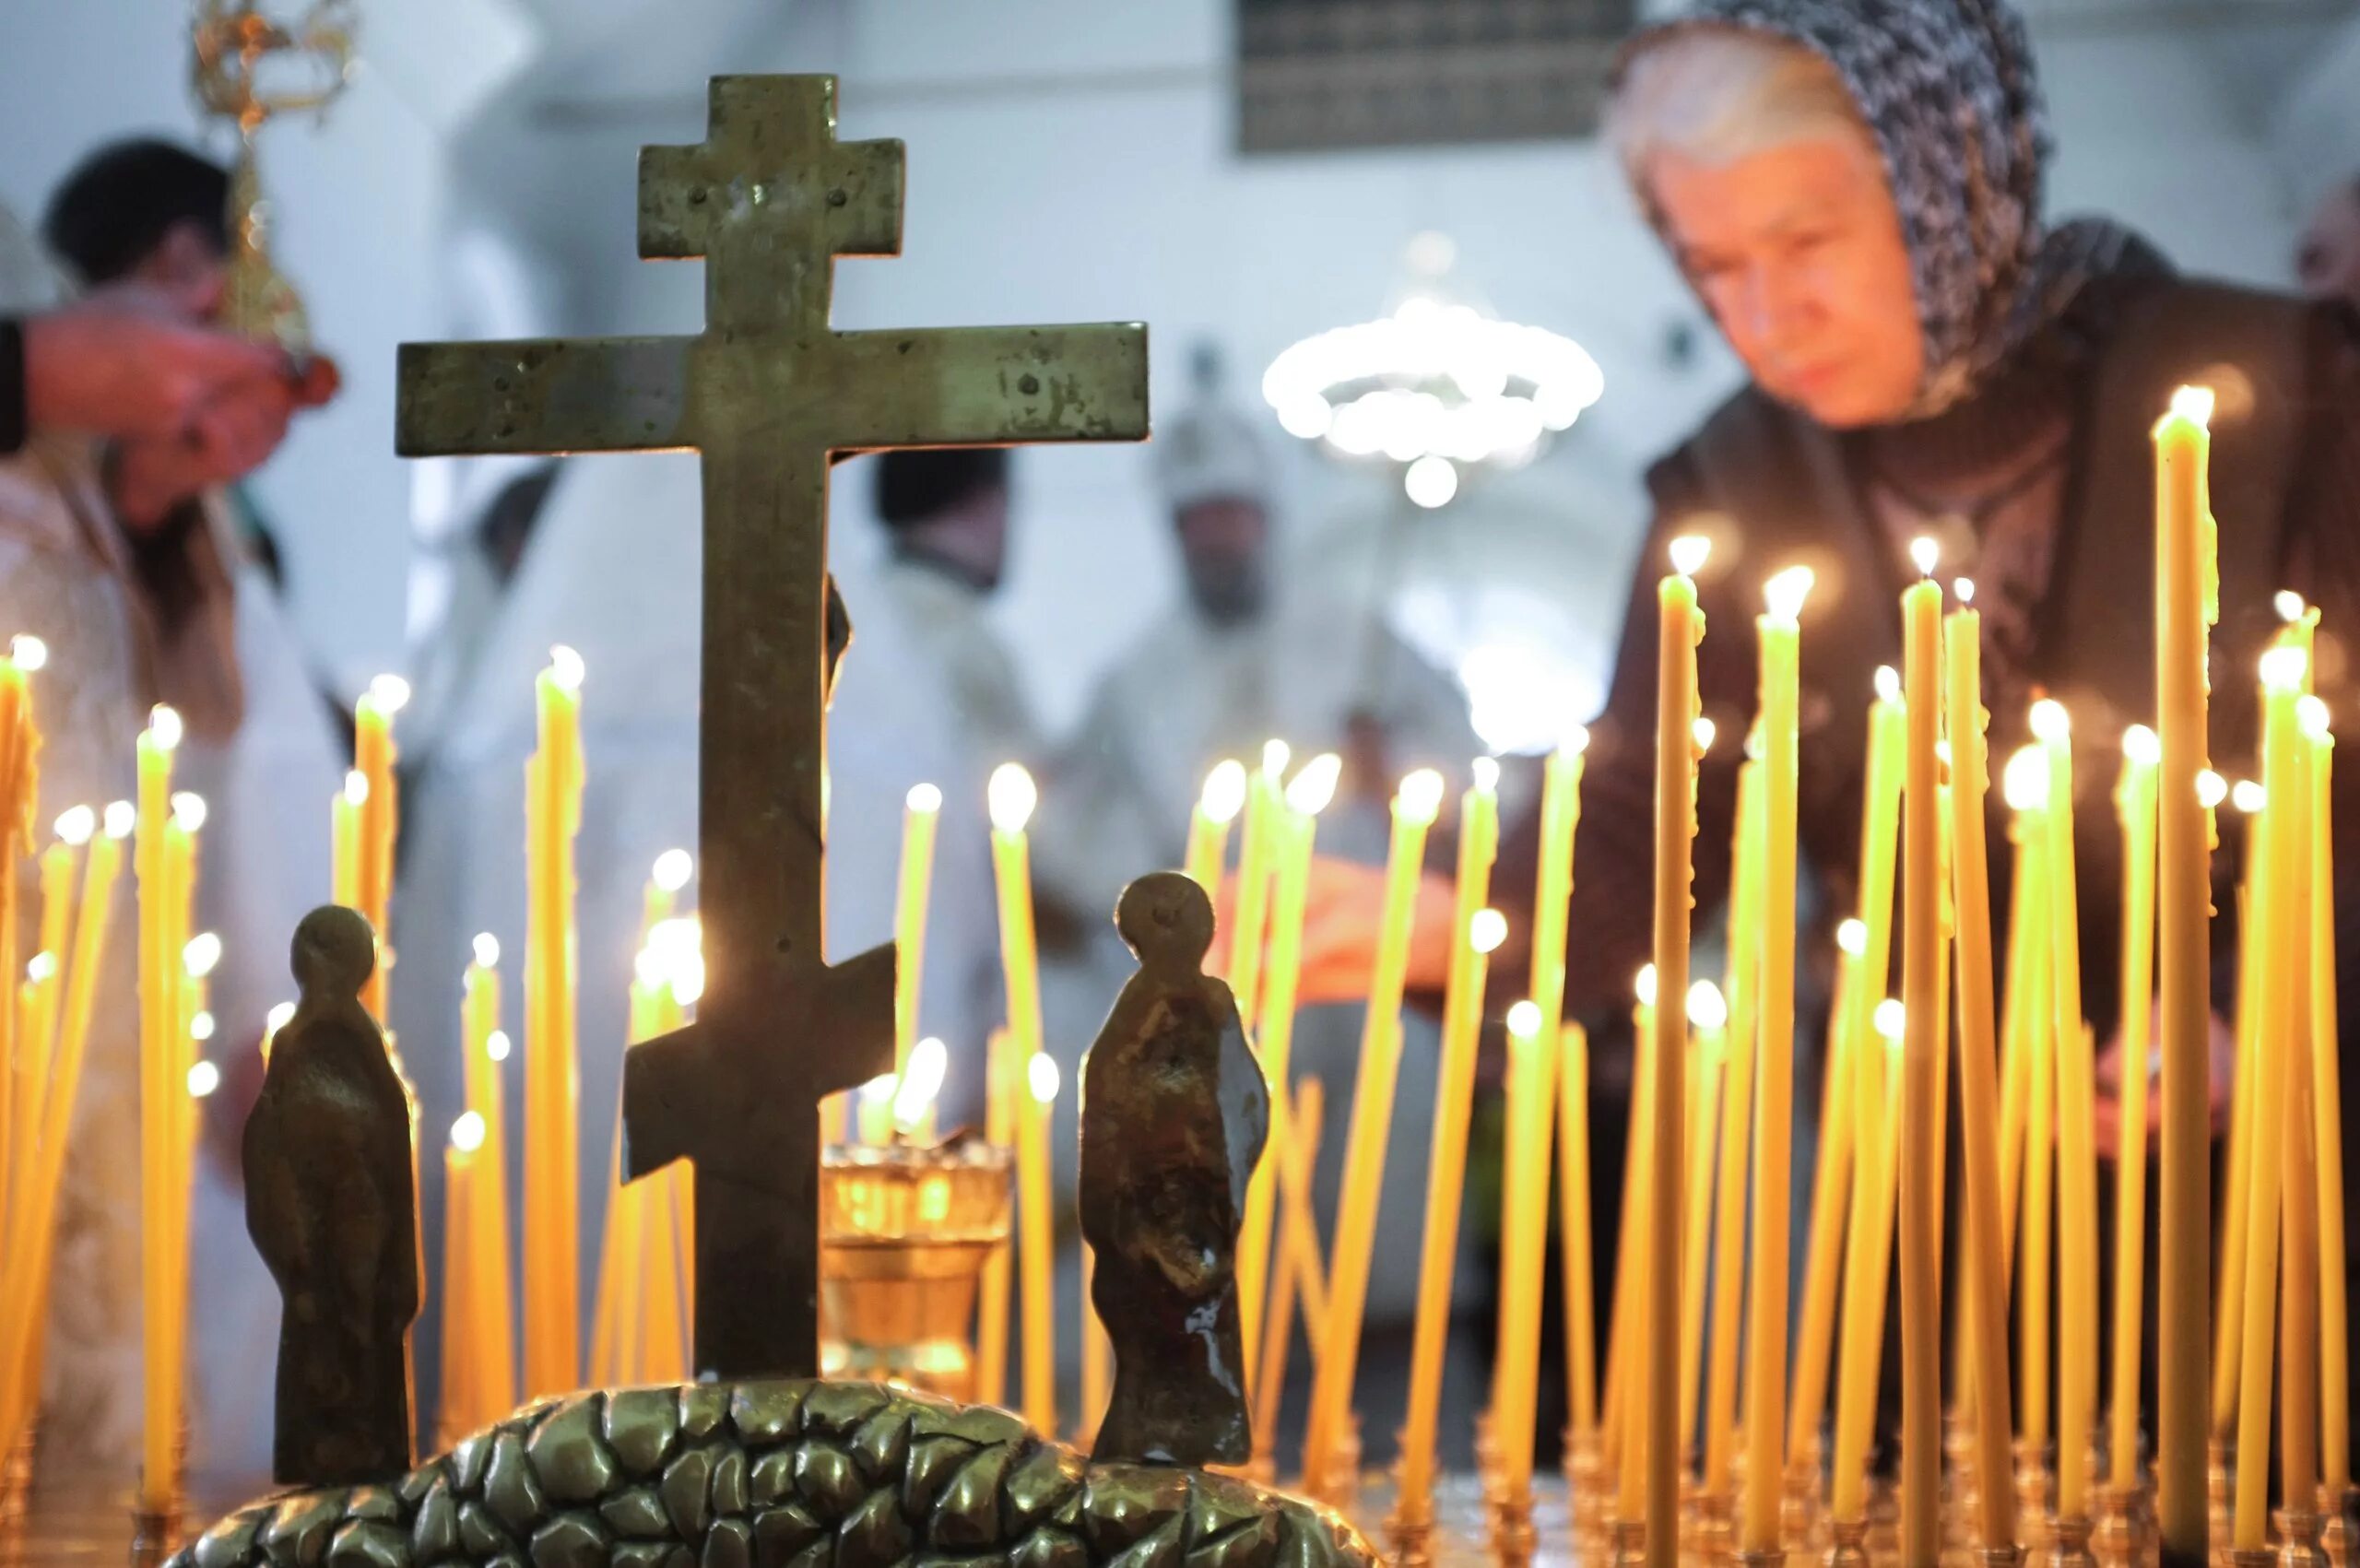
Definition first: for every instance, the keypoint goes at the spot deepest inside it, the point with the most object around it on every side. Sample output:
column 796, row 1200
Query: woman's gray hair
column 1717, row 94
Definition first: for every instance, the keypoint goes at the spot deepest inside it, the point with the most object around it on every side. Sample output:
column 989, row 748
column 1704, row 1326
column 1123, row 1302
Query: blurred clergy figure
column 1251, row 653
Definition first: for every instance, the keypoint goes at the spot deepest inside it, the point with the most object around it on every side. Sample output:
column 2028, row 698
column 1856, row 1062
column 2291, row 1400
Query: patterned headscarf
column 1949, row 93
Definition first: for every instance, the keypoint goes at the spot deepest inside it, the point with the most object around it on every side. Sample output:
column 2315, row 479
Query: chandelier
column 1439, row 387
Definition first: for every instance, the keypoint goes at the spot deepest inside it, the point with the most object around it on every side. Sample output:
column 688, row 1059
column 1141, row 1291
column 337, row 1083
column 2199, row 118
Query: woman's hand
column 1344, row 915
column 2222, row 1052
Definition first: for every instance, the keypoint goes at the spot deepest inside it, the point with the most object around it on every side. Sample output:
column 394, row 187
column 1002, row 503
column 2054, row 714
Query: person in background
column 1859, row 207
column 946, row 519
column 2327, row 259
column 133, row 409
column 1250, row 654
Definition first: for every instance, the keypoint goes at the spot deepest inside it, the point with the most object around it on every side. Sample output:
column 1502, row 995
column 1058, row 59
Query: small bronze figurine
column 332, row 1205
column 1174, row 1112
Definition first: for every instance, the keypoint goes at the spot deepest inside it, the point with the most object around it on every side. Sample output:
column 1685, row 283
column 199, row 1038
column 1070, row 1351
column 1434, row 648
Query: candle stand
column 2217, row 1450
column 904, row 1232
column 2299, row 1538
column 1847, row 1543
column 2069, row 1543
column 1514, row 1538
column 2336, row 1534
column 1627, row 1542
column 2032, row 1495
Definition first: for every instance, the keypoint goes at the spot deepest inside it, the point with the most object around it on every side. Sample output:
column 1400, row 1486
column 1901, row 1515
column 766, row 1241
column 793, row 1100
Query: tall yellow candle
column 18, row 744
column 2335, row 1349
column 1297, row 1279
column 1479, row 931
column 158, row 1106
column 1920, row 1142
column 1708, row 1070
column 2298, row 1390
column 462, row 1402
column 344, row 829
column 920, row 812
column 1294, row 827
column 1984, row 1277
column 1830, row 1208
column 1531, row 1085
column 1265, row 805
column 1576, row 1258
column 1781, row 637
column 486, row 1047
column 2187, row 589
column 1630, row 1267
column 552, row 1335
column 2282, row 672
column 1853, row 1031
column 2135, row 804
column 1002, row 1069
column 1876, row 1158
column 372, row 759
column 1731, row 1275
column 1415, row 807
column 1217, row 806
column 1035, row 1111
column 24, row 1289
column 1680, row 627
column 2229, row 1315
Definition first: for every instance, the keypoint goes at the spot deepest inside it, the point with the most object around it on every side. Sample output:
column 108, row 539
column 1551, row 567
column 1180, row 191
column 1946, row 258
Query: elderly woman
column 1853, row 189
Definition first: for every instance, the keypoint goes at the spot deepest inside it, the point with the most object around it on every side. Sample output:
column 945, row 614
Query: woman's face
column 1797, row 253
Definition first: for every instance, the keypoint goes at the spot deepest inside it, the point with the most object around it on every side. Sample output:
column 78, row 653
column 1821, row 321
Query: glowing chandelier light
column 1438, row 386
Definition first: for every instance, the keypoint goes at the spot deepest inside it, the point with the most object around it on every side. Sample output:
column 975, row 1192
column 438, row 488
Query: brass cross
column 766, row 393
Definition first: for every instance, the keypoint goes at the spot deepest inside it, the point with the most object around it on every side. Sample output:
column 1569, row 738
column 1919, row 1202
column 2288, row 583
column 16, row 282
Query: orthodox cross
column 767, row 394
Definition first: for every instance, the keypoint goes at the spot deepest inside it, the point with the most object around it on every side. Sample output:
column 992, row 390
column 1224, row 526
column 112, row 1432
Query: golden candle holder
column 1962, row 1487
column 1995, row 1556
column 155, row 1533
column 2032, row 1479
column 1585, row 1490
column 2299, row 1538
column 1772, row 1557
column 1627, row 1543
column 1409, row 1524
column 16, row 1497
column 1341, row 1487
column 2217, row 1484
column 2069, row 1543
column 903, row 1235
column 2336, row 1535
column 1799, row 1515
column 1716, row 1537
column 2116, row 1537
column 1847, row 1544
column 1514, row 1538
column 1885, row 1518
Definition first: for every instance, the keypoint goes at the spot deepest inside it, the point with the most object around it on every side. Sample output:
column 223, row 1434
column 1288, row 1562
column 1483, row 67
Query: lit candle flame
column 201, row 955
column 1708, row 1009
column 1041, row 1075
column 1310, row 790
column 566, row 669
column 1487, row 775
column 1705, row 731
column 2143, row 745
column 1276, row 754
column 1926, row 553
column 1011, row 795
column 201, row 1027
column 1888, row 684
column 2051, row 722
column 1419, row 798
column 1644, row 987
column 923, row 798
column 673, row 869
column 1224, row 793
column 929, row 1060
column 1576, row 741
column 468, row 1132
column 2024, row 782
column 1486, row 930
column 122, row 817
column 279, row 1017
column 1892, row 1019
column 203, row 1078
column 1784, row 594
column 1964, row 588
column 31, row 653
column 487, row 950
column 389, row 693
column 76, row 826
column 878, row 1090
column 496, row 1045
column 2211, row 789
column 2249, row 796
column 188, row 811
column 2310, row 713
column 164, row 727
column 356, row 788
column 2194, row 404
column 2282, row 668
column 43, row 967
column 2289, row 605
column 1688, row 553
column 1852, row 937
column 1523, row 1018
